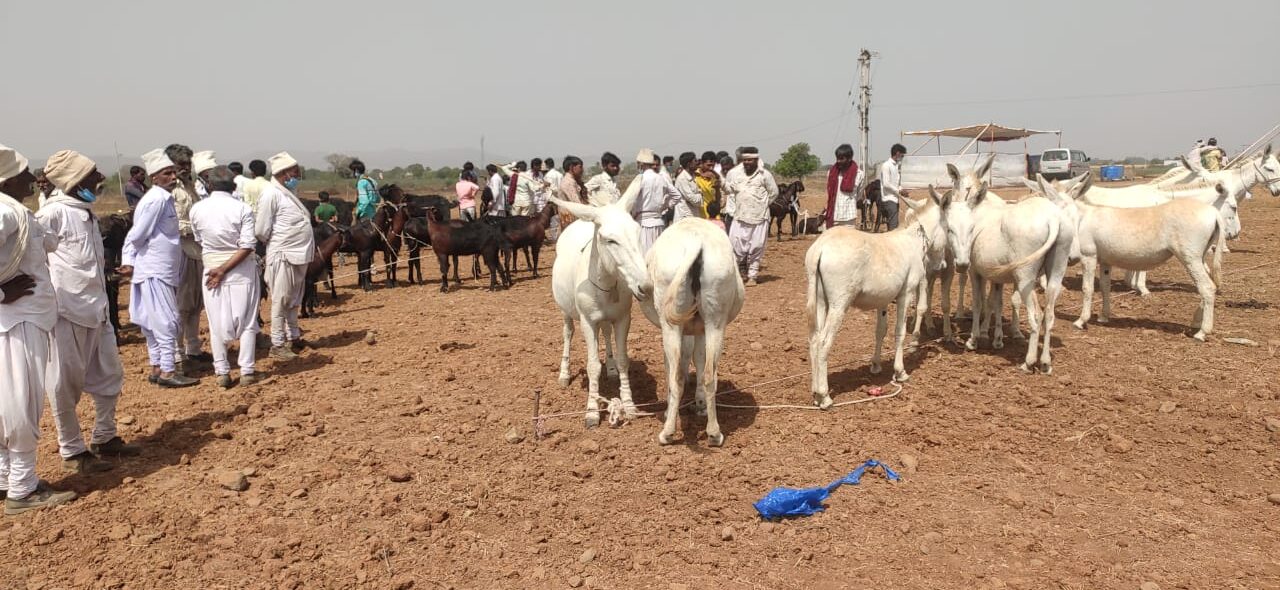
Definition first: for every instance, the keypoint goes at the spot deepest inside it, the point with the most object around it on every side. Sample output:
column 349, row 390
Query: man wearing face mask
column 190, row 297
column 284, row 225
column 201, row 164
column 87, row 360
column 154, row 261
column 28, row 313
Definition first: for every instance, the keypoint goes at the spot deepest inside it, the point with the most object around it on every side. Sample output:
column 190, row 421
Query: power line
column 1081, row 96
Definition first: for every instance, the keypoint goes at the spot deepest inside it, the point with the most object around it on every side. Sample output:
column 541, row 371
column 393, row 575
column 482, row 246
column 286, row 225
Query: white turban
column 281, row 162
column 201, row 161
column 646, row 156
column 753, row 154
column 67, row 168
column 155, row 161
column 11, row 163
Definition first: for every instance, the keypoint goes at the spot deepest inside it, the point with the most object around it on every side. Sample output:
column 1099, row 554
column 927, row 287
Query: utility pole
column 483, row 162
column 864, row 107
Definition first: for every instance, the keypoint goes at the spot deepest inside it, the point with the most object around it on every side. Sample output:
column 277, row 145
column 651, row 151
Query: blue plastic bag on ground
column 792, row 502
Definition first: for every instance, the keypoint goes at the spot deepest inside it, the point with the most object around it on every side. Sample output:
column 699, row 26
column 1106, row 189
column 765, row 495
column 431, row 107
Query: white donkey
column 598, row 269
column 846, row 267
column 1146, row 237
column 1017, row 243
column 697, row 291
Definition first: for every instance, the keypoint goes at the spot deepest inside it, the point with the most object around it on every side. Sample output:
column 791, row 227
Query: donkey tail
column 1034, row 256
column 681, row 301
column 815, row 289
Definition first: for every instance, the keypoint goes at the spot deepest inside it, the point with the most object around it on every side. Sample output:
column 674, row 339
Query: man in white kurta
column 656, row 194
column 753, row 188
column 153, row 258
column 88, row 359
column 284, row 225
column 527, row 187
column 690, row 202
column 190, row 298
column 891, row 185
column 224, row 227
column 28, row 313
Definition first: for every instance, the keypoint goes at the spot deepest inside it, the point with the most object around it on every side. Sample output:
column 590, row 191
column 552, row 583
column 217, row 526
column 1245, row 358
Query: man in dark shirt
column 136, row 187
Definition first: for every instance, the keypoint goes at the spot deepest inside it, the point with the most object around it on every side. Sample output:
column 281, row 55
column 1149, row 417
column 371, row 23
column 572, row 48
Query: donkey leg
column 564, row 356
column 1027, row 291
column 621, row 328
column 979, row 295
column 671, row 342
column 1089, row 266
column 1105, row 284
column 948, row 275
column 610, row 365
column 1208, row 292
column 997, row 316
column 707, row 358
column 882, row 319
column 589, row 334
column 900, row 334
column 1051, row 292
column 826, row 340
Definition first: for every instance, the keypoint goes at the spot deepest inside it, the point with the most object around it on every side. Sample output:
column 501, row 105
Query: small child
column 713, row 215
column 325, row 211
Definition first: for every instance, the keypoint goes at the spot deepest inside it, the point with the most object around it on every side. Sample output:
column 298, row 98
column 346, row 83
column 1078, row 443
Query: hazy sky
column 421, row 78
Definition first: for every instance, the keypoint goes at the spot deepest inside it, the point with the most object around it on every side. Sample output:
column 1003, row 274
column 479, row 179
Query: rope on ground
column 616, row 408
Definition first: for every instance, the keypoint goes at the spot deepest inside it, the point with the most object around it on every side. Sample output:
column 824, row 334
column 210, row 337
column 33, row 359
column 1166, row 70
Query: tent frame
column 986, row 134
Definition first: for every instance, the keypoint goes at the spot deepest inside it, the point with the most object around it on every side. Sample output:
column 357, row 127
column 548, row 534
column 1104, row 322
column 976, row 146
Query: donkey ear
column 628, row 199
column 1031, row 184
column 578, row 210
column 940, row 200
column 1266, row 152
column 912, row 203
column 954, row 173
column 985, row 168
column 1185, row 164
column 980, row 195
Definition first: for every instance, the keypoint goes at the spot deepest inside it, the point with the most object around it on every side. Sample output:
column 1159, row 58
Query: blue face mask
column 292, row 183
column 86, row 195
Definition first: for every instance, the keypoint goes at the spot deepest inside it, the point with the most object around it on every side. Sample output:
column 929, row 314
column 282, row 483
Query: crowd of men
column 199, row 234
column 206, row 237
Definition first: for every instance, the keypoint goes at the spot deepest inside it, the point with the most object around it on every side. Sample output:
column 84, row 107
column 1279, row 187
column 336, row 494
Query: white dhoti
column 153, row 306
column 649, row 235
column 748, row 241
column 190, row 303
column 87, row 361
column 285, row 283
column 232, row 309
column 25, row 354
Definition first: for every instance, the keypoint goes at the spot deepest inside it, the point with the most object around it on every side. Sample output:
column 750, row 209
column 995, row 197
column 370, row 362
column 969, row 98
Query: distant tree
column 592, row 170
column 396, row 172
column 446, row 173
column 339, row 164
column 796, row 162
column 415, row 170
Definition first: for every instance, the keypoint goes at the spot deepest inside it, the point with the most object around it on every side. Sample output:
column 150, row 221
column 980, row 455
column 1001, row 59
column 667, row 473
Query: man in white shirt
column 668, row 163
column 690, row 202
column 844, row 183
column 656, row 194
column 753, row 188
column 154, row 261
column 241, row 179
column 498, row 189
column 602, row 189
column 1193, row 156
column 88, row 360
column 527, row 187
column 28, row 313
column 284, row 225
column 224, row 226
column 729, row 205
column 552, row 177
column 891, row 185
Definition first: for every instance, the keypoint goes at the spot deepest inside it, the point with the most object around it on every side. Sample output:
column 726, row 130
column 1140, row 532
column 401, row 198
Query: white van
column 1062, row 163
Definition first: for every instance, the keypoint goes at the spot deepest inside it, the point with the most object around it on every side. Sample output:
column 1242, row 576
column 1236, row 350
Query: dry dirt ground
column 1146, row 458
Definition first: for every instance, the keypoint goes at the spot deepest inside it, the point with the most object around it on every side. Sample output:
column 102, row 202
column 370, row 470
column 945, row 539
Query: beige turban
column 67, row 168
column 155, row 161
column 201, row 161
column 11, row 163
column 281, row 162
column 646, row 156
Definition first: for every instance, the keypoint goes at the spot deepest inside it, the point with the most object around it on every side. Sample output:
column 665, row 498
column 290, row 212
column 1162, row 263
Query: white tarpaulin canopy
column 985, row 132
column 920, row 171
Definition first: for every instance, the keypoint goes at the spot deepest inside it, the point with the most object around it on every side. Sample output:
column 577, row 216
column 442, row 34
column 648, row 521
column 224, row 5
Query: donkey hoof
column 664, row 438
column 971, row 344
column 1025, row 368
column 629, row 411
column 1200, row 336
column 1018, row 337
column 901, row 377
column 949, row 340
column 592, row 419
column 875, row 368
column 564, row 381
column 997, row 344
column 1046, row 368
column 1078, row 324
column 1104, row 319
column 716, row 439
column 822, row 401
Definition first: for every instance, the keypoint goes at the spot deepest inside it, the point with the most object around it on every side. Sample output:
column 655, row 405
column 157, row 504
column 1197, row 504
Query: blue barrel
column 1112, row 173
